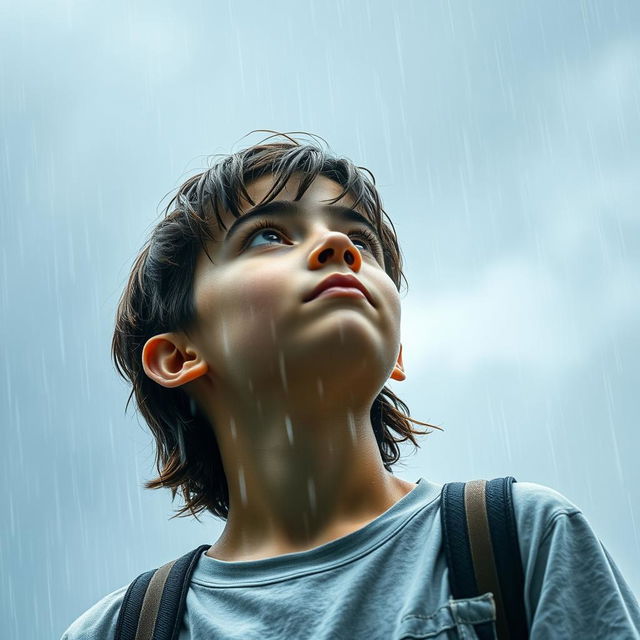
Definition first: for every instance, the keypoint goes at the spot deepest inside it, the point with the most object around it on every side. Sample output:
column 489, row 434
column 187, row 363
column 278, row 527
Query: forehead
column 321, row 187
column 321, row 191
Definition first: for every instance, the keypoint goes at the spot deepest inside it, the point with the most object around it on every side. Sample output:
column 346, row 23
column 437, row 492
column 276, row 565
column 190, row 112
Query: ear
column 169, row 363
column 398, row 370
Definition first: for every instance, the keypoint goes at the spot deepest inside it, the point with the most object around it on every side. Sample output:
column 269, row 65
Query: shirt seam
column 331, row 565
column 554, row 518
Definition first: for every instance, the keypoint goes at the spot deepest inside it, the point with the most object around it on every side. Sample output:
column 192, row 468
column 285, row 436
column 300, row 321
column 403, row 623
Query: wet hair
column 159, row 298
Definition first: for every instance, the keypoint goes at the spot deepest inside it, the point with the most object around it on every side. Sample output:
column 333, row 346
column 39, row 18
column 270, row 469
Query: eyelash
column 371, row 240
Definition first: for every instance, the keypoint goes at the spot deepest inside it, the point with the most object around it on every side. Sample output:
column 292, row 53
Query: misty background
column 504, row 137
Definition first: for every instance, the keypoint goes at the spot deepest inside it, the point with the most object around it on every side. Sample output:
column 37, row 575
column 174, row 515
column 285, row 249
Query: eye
column 261, row 225
column 373, row 244
column 368, row 240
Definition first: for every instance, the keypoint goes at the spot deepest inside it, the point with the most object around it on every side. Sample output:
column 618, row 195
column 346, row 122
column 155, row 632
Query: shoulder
column 98, row 622
column 536, row 505
column 573, row 588
column 543, row 513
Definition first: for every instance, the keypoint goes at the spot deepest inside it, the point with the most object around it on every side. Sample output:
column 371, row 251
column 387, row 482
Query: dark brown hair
column 159, row 298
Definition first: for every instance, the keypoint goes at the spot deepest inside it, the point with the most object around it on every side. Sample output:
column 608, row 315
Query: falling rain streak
column 283, row 373
column 289, row 427
column 505, row 143
column 311, row 490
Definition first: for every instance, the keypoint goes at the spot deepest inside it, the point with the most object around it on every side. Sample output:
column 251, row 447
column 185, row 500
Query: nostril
column 348, row 256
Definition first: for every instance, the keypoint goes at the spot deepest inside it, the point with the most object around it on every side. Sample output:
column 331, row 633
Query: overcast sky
column 505, row 141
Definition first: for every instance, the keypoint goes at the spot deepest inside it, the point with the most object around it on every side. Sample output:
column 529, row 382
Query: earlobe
column 398, row 370
column 168, row 364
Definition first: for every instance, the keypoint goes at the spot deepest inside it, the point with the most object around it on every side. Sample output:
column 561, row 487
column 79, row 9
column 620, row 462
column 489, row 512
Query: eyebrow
column 288, row 208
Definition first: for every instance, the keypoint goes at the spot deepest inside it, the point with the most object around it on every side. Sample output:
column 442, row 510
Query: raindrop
column 283, row 375
column 352, row 426
column 225, row 339
column 311, row 489
column 243, row 487
column 287, row 421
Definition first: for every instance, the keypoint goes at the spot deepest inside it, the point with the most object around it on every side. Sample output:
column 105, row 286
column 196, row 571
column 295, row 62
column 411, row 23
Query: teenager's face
column 253, row 325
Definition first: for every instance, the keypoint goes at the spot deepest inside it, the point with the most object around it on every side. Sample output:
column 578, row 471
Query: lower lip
column 349, row 292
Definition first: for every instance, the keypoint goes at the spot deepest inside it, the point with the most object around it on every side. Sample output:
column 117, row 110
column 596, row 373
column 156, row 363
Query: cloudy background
column 505, row 140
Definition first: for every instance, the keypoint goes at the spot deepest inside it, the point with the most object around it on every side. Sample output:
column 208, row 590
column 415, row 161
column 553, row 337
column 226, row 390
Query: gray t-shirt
column 389, row 580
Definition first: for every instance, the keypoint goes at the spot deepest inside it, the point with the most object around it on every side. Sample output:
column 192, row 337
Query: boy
column 258, row 328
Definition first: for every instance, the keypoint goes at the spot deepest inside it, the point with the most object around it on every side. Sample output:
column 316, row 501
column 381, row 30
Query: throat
column 228, row 554
column 245, row 548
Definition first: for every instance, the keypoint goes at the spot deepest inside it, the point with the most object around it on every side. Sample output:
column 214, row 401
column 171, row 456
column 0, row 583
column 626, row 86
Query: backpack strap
column 483, row 555
column 154, row 603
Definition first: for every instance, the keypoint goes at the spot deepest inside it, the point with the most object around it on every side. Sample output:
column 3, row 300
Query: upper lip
column 339, row 280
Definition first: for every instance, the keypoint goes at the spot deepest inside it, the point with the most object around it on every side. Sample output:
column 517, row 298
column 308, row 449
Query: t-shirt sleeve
column 573, row 588
column 98, row 622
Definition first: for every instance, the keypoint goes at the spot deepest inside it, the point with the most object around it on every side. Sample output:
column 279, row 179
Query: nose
column 336, row 248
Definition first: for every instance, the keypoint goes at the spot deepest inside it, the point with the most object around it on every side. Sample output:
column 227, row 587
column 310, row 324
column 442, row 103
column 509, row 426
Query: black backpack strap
column 481, row 546
column 154, row 603
column 506, row 552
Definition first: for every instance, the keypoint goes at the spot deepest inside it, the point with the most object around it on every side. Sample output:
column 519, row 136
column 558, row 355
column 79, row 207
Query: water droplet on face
column 225, row 338
column 311, row 490
column 243, row 486
column 283, row 375
column 287, row 421
column 352, row 426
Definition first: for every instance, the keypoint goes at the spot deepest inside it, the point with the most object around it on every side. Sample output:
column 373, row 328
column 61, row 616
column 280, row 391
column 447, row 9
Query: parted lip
column 339, row 280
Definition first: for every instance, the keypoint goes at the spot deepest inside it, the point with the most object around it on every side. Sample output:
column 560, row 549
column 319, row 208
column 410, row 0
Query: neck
column 300, row 479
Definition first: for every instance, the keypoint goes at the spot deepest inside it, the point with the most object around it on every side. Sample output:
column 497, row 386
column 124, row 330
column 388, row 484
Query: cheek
column 241, row 312
column 259, row 292
column 389, row 299
column 236, row 293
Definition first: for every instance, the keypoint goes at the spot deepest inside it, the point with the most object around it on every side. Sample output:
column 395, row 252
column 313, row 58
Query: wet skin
column 287, row 384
